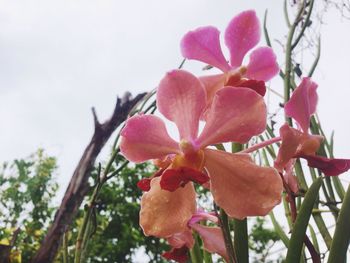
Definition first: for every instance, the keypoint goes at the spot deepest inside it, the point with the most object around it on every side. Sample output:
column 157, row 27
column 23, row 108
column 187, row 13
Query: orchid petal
column 181, row 99
column 295, row 143
column 236, row 114
column 303, row 103
column 202, row 215
column 262, row 64
column 330, row 167
column 241, row 187
column 212, row 84
column 179, row 240
column 290, row 179
column 213, row 239
column 203, row 44
column 177, row 254
column 241, row 35
column 165, row 213
column 145, row 137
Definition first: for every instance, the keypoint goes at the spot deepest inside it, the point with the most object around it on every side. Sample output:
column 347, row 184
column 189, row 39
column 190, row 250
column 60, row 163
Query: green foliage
column 261, row 240
column 26, row 192
column 115, row 232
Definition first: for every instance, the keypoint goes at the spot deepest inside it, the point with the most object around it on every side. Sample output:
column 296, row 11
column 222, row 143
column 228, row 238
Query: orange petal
column 295, row 143
column 179, row 240
column 241, row 187
column 165, row 213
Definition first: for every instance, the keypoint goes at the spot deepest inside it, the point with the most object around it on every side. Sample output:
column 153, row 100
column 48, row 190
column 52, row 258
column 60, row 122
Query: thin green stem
column 317, row 59
column 225, row 227
column 305, row 25
column 266, row 32
column 195, row 253
column 285, row 11
column 65, row 248
column 241, row 240
column 323, row 229
column 288, row 58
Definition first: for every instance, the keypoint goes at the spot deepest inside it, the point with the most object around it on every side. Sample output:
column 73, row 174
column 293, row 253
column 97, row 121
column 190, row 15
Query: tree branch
column 78, row 186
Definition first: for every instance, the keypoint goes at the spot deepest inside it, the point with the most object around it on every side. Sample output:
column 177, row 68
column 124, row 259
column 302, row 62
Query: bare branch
column 78, row 186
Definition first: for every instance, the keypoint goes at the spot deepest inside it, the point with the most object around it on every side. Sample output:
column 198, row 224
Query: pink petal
column 236, row 114
column 165, row 213
column 212, row 84
column 213, row 239
column 303, row 103
column 241, row 35
column 330, row 167
column 290, row 178
column 181, row 99
column 201, row 215
column 145, row 137
column 262, row 64
column 172, row 179
column 179, row 240
column 177, row 254
column 295, row 143
column 241, row 187
column 203, row 44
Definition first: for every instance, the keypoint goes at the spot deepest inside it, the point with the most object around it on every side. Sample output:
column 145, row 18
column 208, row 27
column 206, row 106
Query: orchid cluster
column 231, row 106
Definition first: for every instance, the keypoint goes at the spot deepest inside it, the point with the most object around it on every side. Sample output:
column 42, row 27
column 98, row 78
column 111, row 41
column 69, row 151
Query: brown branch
column 78, row 186
column 5, row 250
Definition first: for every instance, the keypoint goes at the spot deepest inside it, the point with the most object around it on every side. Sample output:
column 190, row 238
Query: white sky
column 60, row 58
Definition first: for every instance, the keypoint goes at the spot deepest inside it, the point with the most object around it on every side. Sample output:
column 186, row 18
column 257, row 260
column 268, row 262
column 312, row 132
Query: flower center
column 187, row 147
column 234, row 77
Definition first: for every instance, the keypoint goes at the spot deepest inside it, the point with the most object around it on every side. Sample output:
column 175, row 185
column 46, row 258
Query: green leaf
column 279, row 229
column 301, row 223
column 341, row 237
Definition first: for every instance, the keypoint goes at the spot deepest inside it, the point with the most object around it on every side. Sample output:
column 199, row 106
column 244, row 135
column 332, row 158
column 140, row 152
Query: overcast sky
column 60, row 58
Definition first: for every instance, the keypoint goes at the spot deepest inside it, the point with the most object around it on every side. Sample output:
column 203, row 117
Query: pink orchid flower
column 298, row 142
column 236, row 115
column 212, row 236
column 241, row 35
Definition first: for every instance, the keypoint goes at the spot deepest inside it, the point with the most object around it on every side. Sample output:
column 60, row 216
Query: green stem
column 285, row 11
column 65, row 248
column 195, row 253
column 323, row 229
column 317, row 58
column 314, row 238
column 279, row 229
column 341, row 237
column 82, row 235
column 241, row 240
column 225, row 227
column 266, row 32
column 288, row 67
column 207, row 257
column 305, row 25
